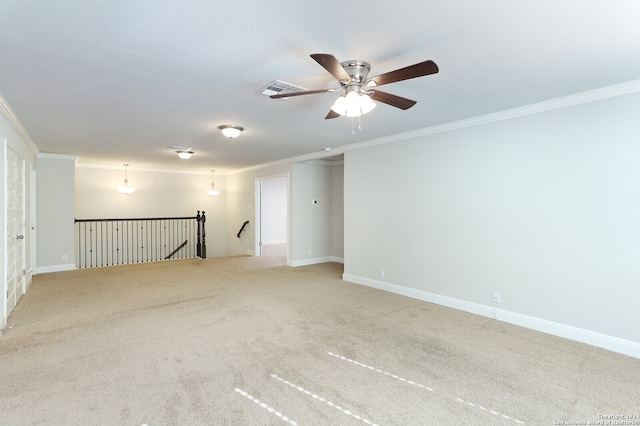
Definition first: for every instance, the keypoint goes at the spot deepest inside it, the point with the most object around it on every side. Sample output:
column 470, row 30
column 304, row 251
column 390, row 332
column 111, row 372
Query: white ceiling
column 122, row 80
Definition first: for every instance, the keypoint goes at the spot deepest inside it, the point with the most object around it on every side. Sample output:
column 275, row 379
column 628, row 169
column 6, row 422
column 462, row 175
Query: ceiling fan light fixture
column 185, row 154
column 353, row 104
column 366, row 103
column 230, row 131
column 340, row 105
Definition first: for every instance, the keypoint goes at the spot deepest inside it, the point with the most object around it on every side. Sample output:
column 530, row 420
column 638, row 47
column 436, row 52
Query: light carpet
column 249, row 341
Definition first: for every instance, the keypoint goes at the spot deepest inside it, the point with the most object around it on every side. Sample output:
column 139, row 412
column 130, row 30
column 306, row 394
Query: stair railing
column 105, row 242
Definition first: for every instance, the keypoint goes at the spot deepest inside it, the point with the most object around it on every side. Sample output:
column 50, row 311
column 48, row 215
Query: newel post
column 199, row 242
column 203, row 253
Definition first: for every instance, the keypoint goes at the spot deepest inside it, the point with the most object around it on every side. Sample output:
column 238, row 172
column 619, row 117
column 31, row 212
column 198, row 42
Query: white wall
column 311, row 223
column 310, row 227
column 543, row 209
column 54, row 212
column 240, row 206
column 157, row 194
column 319, row 227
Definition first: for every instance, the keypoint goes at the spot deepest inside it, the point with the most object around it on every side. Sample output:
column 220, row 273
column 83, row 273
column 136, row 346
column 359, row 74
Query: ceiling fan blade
column 393, row 100
column 412, row 71
column 306, row 92
column 332, row 114
column 331, row 64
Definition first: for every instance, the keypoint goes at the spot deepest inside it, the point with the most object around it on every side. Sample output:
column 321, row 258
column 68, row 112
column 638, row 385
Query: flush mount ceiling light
column 230, row 130
column 213, row 190
column 126, row 189
column 185, row 154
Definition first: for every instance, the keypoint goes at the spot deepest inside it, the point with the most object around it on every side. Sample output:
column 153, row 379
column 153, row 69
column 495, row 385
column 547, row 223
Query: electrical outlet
column 496, row 297
column 64, row 257
column 381, row 273
column 310, row 252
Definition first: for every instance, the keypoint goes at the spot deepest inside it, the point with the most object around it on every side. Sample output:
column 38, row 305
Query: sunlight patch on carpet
column 410, row 382
column 321, row 399
column 266, row 407
column 377, row 370
column 495, row 413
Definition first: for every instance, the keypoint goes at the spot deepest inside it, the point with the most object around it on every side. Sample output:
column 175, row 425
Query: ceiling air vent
column 276, row 87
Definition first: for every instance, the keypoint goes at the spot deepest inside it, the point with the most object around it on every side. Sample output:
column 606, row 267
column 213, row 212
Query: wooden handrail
column 176, row 250
column 133, row 218
column 242, row 229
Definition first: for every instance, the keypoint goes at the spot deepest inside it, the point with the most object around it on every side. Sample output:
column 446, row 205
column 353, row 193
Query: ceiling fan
column 360, row 91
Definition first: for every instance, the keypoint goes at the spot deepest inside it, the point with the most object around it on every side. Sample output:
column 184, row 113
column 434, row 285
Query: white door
column 15, row 228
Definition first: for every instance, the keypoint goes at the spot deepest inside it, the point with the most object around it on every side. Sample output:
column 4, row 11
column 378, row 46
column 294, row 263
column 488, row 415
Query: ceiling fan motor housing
column 357, row 70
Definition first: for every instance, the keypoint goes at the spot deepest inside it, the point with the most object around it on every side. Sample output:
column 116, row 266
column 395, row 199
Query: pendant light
column 213, row 190
column 126, row 189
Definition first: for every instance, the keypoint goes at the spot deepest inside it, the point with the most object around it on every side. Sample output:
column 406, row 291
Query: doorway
column 272, row 206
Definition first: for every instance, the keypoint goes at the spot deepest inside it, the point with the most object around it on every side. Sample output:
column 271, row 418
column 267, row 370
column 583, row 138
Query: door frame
column 258, row 211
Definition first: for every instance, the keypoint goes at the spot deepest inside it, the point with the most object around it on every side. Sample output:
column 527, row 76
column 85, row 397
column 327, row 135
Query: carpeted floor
column 250, row 341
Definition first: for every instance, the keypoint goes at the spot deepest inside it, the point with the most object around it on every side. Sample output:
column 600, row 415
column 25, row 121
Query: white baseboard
column 55, row 268
column 314, row 261
column 615, row 344
column 306, row 262
column 604, row 341
column 449, row 302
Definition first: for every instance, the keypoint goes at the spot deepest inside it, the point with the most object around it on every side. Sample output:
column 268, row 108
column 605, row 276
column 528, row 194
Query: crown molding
column 17, row 126
column 549, row 105
column 539, row 107
column 143, row 169
column 57, row 156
